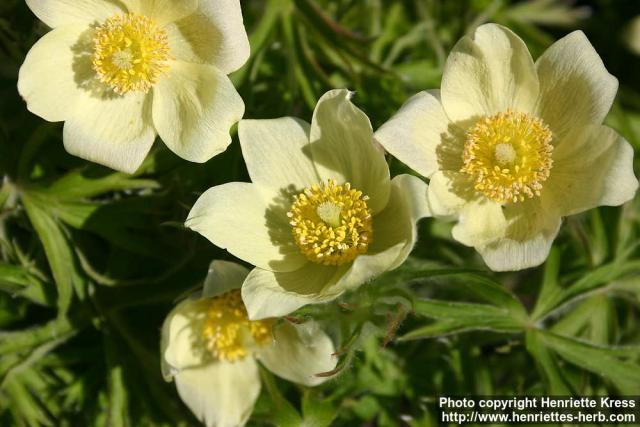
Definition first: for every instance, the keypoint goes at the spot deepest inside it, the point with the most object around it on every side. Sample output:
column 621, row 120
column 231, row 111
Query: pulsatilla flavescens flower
column 512, row 146
column 211, row 349
column 121, row 72
column 321, row 216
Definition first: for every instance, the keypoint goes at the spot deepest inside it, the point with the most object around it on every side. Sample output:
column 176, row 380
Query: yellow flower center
column 331, row 223
column 130, row 53
column 228, row 332
column 508, row 156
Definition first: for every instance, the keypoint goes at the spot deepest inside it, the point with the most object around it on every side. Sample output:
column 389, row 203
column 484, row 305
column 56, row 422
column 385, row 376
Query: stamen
column 130, row 53
column 508, row 156
column 228, row 333
column 331, row 223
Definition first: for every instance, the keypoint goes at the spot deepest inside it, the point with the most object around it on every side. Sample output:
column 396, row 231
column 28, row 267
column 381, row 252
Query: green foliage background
column 91, row 260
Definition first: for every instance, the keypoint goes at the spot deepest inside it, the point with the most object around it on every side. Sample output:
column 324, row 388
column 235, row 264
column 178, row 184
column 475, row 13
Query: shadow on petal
column 84, row 74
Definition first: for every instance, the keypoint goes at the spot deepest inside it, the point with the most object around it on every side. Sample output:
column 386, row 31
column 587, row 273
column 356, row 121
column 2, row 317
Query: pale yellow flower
column 211, row 350
column 322, row 215
column 121, row 72
column 512, row 146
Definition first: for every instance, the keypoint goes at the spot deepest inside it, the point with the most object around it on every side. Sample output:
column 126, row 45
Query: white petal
column 235, row 216
column 277, row 154
column 114, row 131
column 414, row 191
column 272, row 294
column 593, row 166
column 413, row 134
column 194, row 108
column 479, row 222
column 163, row 11
column 56, row 13
column 529, row 234
column 223, row 276
column 182, row 346
column 214, row 34
column 221, row 394
column 449, row 192
column 394, row 233
column 268, row 294
column 53, row 74
column 575, row 87
column 488, row 73
column 343, row 149
column 299, row 353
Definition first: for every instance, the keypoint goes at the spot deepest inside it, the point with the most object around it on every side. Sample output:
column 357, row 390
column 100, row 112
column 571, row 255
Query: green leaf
column 437, row 309
column 437, row 329
column 547, row 365
column 550, row 288
column 19, row 281
column 317, row 411
column 86, row 183
column 603, row 361
column 473, row 281
column 259, row 37
column 58, row 250
column 547, row 12
column 594, row 279
column 25, row 406
column 593, row 315
column 598, row 237
column 282, row 412
column 505, row 315
column 61, row 327
column 118, row 409
column 461, row 317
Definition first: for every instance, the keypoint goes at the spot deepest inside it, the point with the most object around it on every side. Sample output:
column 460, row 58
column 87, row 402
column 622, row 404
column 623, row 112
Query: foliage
column 91, row 260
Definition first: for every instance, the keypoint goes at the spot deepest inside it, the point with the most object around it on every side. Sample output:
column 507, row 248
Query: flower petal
column 527, row 240
column 114, row 131
column 299, row 352
column 575, row 87
column 163, row 11
column 52, row 75
column 277, row 154
column 56, row 13
column 394, row 233
column 223, row 276
column 414, row 132
column 488, row 73
column 194, row 108
column 343, row 149
column 593, row 166
column 221, row 394
column 275, row 294
column 480, row 221
column 235, row 216
column 268, row 294
column 181, row 346
column 449, row 192
column 214, row 35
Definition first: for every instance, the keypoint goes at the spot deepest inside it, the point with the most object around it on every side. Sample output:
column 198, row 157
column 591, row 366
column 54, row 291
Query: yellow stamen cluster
column 509, row 156
column 331, row 223
column 130, row 53
column 228, row 332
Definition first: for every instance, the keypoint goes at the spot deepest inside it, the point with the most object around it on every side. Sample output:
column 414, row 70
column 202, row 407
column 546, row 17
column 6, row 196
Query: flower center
column 130, row 53
column 228, row 332
column 509, row 156
column 331, row 223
